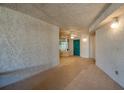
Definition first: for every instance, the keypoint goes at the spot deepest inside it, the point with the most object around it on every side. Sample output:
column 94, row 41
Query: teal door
column 76, row 47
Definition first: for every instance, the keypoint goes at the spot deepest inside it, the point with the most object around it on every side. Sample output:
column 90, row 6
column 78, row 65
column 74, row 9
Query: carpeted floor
column 72, row 73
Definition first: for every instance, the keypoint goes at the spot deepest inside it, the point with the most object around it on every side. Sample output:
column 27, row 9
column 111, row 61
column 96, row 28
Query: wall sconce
column 84, row 39
column 115, row 23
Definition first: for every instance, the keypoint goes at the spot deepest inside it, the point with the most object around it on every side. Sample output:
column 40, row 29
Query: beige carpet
column 72, row 73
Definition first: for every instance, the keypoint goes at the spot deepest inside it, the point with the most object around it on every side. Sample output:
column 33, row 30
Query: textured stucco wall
column 25, row 42
column 110, row 50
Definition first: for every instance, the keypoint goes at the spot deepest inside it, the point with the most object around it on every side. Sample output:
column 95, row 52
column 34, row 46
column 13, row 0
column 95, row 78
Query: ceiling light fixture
column 115, row 23
column 72, row 37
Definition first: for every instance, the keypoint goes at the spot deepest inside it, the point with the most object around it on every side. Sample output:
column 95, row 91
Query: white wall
column 84, row 46
column 25, row 43
column 92, row 45
column 110, row 50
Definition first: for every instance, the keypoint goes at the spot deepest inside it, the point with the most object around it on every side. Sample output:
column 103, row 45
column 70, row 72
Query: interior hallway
column 72, row 73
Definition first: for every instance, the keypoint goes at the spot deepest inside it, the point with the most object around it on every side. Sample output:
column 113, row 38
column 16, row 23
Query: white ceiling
column 63, row 15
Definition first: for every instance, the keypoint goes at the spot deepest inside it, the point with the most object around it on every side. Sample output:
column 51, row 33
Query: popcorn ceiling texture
column 26, row 42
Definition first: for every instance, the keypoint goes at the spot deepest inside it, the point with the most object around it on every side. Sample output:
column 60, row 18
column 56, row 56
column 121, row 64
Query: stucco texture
column 26, row 42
